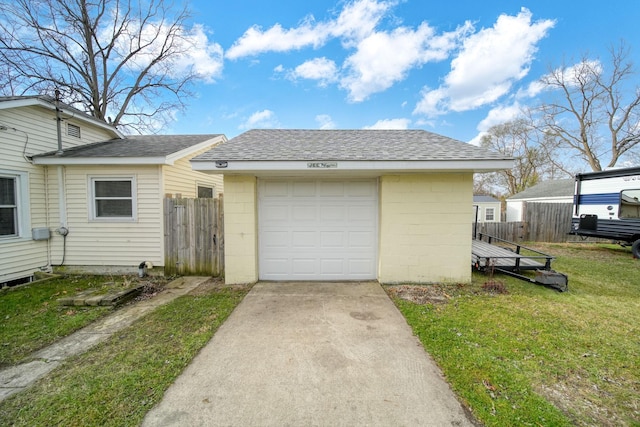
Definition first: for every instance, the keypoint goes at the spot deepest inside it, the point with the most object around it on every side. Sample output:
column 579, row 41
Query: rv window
column 630, row 204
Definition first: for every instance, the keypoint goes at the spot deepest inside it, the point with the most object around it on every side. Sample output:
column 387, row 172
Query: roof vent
column 73, row 130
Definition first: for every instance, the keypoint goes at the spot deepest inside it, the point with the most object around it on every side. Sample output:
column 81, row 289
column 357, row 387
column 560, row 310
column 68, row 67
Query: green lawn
column 534, row 356
column 32, row 318
column 118, row 381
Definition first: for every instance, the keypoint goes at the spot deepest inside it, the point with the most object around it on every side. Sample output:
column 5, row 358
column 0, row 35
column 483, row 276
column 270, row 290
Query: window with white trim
column 113, row 198
column 206, row 192
column 489, row 214
column 8, row 206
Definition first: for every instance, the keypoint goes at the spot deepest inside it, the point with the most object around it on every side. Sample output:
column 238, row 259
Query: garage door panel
column 276, row 239
column 304, row 239
column 332, row 239
column 304, row 213
column 317, row 229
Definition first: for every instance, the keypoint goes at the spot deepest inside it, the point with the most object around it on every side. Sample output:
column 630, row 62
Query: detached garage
column 386, row 205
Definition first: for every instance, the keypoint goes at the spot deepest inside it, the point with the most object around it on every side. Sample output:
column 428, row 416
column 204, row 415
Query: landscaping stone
column 89, row 298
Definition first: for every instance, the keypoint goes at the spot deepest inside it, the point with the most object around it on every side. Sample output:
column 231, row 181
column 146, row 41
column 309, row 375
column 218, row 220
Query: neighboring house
column 486, row 209
column 93, row 200
column 557, row 191
column 386, row 205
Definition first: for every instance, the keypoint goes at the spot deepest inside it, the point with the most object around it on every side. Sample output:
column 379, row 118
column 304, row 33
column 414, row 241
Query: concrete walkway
column 312, row 354
column 19, row 377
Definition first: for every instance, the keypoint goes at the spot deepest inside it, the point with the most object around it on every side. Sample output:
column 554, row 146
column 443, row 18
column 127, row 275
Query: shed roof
column 150, row 149
column 547, row 189
column 484, row 199
column 260, row 149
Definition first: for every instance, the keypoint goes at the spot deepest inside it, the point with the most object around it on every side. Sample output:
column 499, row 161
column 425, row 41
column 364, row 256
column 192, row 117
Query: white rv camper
column 607, row 204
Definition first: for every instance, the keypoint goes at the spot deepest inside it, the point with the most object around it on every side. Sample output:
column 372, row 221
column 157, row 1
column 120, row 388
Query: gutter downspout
column 62, row 208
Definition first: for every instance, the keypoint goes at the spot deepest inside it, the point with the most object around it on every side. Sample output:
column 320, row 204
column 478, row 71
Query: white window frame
column 209, row 186
column 92, row 198
column 486, row 214
column 23, row 214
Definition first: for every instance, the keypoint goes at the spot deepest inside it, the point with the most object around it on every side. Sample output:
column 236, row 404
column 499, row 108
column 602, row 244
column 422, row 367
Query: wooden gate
column 193, row 236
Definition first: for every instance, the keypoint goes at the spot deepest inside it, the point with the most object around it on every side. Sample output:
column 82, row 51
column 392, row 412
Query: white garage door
column 317, row 229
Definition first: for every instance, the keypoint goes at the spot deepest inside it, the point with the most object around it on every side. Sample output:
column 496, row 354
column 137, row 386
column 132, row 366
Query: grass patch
column 533, row 356
column 119, row 381
column 32, row 318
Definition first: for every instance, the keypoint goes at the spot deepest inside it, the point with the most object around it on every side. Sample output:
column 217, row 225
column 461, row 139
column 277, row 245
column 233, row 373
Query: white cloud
column 260, row 120
column 488, row 64
column 192, row 51
column 322, row 69
column 357, row 19
column 325, row 121
column 390, row 124
column 384, row 58
column 496, row 116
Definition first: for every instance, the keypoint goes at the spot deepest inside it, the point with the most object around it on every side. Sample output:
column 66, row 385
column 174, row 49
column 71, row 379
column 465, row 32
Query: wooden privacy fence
column 543, row 222
column 193, row 237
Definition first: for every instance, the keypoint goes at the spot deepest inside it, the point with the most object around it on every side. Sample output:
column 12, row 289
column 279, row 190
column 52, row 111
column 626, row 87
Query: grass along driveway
column 118, row 381
column 534, row 356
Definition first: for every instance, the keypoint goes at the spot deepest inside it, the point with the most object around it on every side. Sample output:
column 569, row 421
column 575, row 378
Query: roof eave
column 374, row 167
column 196, row 147
column 36, row 101
column 95, row 161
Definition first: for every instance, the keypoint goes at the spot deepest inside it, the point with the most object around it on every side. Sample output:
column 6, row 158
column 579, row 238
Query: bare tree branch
column 113, row 58
column 595, row 114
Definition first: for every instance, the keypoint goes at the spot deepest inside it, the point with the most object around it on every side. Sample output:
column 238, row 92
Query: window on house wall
column 73, row 130
column 8, row 206
column 489, row 214
column 205, row 192
column 113, row 198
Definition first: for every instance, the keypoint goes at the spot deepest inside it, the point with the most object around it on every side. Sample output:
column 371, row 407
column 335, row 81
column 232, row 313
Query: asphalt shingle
column 345, row 145
column 135, row 146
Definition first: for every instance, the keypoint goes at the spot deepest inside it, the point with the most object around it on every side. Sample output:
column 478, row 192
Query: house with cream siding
column 386, row 205
column 90, row 200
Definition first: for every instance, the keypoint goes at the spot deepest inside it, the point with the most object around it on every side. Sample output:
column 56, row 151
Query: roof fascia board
column 31, row 102
column 252, row 167
column 195, row 148
column 94, row 161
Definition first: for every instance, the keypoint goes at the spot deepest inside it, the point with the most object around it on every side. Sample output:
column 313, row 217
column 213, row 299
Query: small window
column 73, row 130
column 205, row 192
column 489, row 214
column 8, row 207
column 630, row 204
column 113, row 198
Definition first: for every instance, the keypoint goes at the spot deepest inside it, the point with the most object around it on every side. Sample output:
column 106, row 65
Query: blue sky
column 454, row 68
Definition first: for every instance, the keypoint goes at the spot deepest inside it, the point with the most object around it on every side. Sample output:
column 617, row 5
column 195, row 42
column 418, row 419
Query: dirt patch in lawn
column 424, row 294
column 215, row 284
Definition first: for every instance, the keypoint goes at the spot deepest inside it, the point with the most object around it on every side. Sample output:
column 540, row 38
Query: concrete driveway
column 311, row 354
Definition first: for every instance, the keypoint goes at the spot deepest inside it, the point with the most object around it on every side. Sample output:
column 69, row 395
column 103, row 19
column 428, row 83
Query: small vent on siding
column 73, row 130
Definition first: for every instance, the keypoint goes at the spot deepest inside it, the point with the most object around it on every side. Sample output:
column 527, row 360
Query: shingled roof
column 547, row 189
column 344, row 145
column 154, row 148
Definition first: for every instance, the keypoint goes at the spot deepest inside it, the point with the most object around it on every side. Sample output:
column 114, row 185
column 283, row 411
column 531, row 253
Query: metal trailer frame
column 491, row 253
column 589, row 217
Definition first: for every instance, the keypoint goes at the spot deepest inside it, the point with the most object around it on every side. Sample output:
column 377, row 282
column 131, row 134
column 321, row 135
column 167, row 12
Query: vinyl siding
column 32, row 130
column 123, row 243
column 181, row 179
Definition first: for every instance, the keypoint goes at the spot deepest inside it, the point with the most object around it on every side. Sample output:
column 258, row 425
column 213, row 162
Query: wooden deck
column 486, row 255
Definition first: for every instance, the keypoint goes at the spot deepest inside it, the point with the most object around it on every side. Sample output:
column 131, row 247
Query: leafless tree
column 122, row 61
column 593, row 111
column 518, row 139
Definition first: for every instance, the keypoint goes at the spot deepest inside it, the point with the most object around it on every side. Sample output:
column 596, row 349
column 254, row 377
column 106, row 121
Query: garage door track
column 295, row 354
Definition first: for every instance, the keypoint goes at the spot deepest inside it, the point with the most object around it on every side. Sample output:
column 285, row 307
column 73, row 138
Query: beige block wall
column 240, row 229
column 425, row 228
